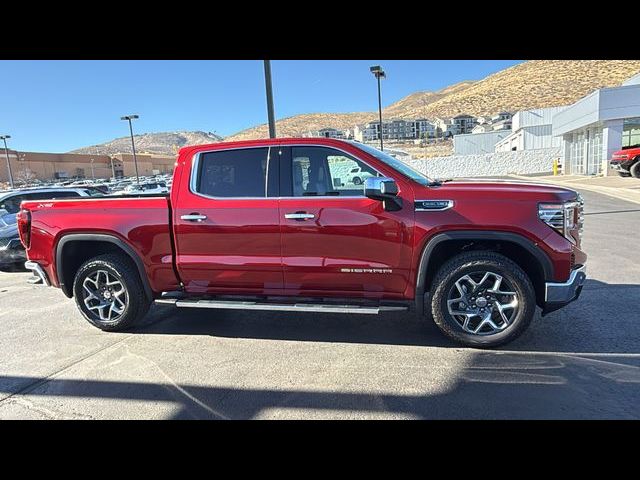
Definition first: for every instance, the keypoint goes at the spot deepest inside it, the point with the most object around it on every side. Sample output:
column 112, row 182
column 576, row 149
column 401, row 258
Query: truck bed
column 142, row 221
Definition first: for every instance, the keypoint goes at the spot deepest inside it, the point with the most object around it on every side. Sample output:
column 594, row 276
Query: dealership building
column 59, row 166
column 596, row 126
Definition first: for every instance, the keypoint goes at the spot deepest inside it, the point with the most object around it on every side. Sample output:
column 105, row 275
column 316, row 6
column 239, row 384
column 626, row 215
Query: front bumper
column 557, row 295
column 621, row 165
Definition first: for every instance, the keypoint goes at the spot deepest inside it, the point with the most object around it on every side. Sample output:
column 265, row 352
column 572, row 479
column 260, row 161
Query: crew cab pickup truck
column 626, row 161
column 274, row 225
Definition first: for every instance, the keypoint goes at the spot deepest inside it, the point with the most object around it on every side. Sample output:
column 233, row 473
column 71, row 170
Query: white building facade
column 531, row 130
column 329, row 133
column 596, row 126
column 478, row 143
column 395, row 130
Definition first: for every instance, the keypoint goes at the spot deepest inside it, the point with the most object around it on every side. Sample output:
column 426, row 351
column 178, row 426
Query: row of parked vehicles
column 12, row 253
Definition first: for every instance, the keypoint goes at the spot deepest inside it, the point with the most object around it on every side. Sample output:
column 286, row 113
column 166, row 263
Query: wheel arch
column 518, row 248
column 67, row 264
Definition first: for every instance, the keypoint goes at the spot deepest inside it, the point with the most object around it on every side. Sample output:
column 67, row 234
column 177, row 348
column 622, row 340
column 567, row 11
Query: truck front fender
column 471, row 235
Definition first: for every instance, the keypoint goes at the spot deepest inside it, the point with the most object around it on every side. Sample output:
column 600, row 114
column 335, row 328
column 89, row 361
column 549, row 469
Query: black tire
column 474, row 263
column 357, row 180
column 121, row 268
column 624, row 173
column 635, row 169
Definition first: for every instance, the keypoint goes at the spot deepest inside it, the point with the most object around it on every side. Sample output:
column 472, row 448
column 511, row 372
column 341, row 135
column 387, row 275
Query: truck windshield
column 396, row 164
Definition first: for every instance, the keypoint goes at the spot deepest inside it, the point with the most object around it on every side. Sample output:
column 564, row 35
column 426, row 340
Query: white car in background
column 357, row 176
column 145, row 188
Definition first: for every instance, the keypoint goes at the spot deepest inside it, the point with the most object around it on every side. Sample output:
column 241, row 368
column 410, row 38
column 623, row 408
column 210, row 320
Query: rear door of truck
column 225, row 221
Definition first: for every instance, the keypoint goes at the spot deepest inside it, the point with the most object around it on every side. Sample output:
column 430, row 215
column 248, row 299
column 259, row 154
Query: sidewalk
column 624, row 188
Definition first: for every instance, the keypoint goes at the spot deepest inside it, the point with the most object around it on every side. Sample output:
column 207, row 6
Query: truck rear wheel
column 109, row 293
column 482, row 299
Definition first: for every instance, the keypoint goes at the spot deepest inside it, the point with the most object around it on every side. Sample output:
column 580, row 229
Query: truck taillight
column 24, row 227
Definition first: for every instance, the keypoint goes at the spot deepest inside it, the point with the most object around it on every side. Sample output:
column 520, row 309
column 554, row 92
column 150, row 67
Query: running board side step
column 282, row 307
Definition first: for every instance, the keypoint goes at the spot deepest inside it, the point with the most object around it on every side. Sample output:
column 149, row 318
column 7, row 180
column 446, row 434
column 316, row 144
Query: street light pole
column 93, row 176
column 133, row 144
column 113, row 170
column 268, row 87
column 379, row 73
column 6, row 153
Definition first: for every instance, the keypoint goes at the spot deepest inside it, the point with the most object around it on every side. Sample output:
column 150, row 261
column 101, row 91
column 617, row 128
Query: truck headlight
column 564, row 218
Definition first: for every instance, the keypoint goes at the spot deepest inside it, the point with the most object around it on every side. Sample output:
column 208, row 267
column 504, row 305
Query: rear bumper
column 557, row 295
column 39, row 275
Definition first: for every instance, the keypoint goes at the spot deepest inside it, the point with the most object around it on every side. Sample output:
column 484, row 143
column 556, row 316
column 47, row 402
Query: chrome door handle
column 194, row 217
column 299, row 216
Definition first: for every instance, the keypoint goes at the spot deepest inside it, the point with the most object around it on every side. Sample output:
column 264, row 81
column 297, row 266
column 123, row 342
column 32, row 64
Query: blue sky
column 56, row 106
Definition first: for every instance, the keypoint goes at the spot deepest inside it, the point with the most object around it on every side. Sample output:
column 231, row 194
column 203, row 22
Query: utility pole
column 133, row 143
column 113, row 170
column 6, row 153
column 379, row 73
column 269, row 89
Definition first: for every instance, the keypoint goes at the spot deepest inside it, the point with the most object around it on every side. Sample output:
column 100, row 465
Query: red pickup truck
column 281, row 225
column 627, row 161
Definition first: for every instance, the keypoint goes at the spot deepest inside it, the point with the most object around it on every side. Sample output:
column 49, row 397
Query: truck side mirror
column 384, row 189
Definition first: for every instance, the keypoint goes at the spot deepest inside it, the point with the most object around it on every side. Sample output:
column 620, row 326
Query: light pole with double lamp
column 379, row 73
column 133, row 144
column 6, row 153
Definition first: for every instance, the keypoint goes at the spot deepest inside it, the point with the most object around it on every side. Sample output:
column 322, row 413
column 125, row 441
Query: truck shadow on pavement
column 484, row 386
column 601, row 321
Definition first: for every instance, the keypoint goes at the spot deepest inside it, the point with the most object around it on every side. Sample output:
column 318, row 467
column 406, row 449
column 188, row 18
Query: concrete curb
column 619, row 193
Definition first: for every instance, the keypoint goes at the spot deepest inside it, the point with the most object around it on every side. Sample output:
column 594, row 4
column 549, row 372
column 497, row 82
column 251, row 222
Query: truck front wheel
column 109, row 293
column 482, row 299
column 635, row 169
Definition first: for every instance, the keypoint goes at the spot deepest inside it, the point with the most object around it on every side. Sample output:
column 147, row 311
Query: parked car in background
column 11, row 250
column 627, row 161
column 357, row 175
column 157, row 188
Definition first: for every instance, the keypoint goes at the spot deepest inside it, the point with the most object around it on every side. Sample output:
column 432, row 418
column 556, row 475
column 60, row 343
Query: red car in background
column 627, row 161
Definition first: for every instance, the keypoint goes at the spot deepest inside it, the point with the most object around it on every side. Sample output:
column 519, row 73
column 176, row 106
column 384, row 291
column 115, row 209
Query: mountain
column 166, row 143
column 300, row 124
column 414, row 105
column 531, row 84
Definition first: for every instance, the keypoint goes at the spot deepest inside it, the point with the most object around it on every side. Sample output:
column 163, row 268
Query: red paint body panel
column 142, row 223
column 624, row 155
column 246, row 246
column 349, row 233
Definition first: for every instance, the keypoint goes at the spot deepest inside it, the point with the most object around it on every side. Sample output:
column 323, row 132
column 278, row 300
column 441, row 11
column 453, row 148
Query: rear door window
column 240, row 173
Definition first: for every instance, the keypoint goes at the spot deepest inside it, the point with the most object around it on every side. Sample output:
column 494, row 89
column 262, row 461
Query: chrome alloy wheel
column 105, row 295
column 483, row 303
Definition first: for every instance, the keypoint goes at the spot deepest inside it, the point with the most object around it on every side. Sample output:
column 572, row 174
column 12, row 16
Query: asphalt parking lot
column 580, row 362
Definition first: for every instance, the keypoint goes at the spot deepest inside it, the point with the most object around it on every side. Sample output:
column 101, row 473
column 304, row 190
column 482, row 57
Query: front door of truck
column 226, row 223
column 335, row 240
